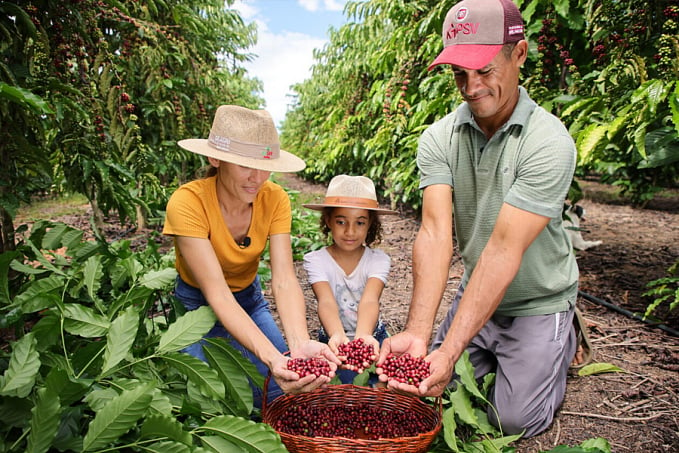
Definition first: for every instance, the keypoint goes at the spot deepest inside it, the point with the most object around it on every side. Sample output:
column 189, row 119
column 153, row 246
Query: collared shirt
column 529, row 164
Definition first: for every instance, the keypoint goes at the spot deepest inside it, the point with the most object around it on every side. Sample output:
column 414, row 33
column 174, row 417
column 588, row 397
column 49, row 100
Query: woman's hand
column 290, row 382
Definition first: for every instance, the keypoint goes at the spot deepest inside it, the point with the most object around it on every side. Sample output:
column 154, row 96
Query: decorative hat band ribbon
column 351, row 201
column 251, row 150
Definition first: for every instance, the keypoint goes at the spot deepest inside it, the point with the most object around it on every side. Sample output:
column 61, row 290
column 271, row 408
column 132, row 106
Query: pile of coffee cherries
column 353, row 421
column 406, row 368
column 358, row 353
column 305, row 367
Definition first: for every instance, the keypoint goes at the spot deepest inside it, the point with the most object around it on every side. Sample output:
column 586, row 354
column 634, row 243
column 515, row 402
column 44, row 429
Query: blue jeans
column 347, row 376
column 252, row 301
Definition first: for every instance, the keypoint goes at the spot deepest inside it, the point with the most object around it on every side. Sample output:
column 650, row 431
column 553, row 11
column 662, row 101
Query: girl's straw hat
column 346, row 191
column 245, row 137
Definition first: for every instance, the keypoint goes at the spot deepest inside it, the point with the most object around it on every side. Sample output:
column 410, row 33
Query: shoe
column 583, row 342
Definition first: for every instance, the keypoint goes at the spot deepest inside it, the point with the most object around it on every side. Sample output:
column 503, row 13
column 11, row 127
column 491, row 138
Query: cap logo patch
column 461, row 14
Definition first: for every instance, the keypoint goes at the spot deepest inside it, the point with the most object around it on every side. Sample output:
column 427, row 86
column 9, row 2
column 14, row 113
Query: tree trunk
column 7, row 239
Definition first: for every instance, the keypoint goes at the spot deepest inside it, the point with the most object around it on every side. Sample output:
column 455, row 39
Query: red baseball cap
column 475, row 30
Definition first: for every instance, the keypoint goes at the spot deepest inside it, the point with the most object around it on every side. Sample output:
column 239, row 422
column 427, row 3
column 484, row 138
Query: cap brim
column 468, row 56
column 320, row 207
column 286, row 162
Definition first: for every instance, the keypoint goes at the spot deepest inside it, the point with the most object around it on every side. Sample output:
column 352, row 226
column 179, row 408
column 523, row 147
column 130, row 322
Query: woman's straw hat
column 346, row 191
column 245, row 137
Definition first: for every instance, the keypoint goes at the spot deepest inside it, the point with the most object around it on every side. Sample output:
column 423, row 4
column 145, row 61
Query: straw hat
column 245, row 137
column 346, row 191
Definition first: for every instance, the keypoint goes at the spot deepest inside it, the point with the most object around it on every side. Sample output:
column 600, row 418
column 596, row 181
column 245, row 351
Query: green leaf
column 248, row 435
column 449, row 427
column 41, row 294
column 461, row 401
column 220, row 445
column 159, row 279
column 84, row 321
column 44, row 421
column 231, row 370
column 24, row 364
column 25, row 98
column 165, row 427
column 187, row 330
column 117, row 417
column 198, row 372
column 120, row 338
column 93, row 274
column 599, row 368
column 465, row 370
column 168, row 446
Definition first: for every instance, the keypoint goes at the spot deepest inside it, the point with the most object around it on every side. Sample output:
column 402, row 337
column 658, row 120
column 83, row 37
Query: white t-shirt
column 348, row 289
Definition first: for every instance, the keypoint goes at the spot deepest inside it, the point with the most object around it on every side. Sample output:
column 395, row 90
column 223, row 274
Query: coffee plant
column 93, row 360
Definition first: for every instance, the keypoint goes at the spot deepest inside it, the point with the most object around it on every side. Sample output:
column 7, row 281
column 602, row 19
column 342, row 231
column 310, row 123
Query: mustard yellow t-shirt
column 193, row 211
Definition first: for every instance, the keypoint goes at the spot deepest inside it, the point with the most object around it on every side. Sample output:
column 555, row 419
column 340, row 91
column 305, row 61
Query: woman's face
column 240, row 183
column 349, row 227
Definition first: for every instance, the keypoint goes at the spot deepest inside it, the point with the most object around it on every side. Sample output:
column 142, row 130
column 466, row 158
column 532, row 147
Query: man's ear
column 521, row 52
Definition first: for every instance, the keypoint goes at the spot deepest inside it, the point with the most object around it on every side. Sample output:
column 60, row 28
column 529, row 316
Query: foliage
column 95, row 93
column 607, row 69
column 96, row 364
column 466, row 427
column 665, row 291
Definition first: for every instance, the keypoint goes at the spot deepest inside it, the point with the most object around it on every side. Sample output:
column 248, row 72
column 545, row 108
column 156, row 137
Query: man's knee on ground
column 516, row 420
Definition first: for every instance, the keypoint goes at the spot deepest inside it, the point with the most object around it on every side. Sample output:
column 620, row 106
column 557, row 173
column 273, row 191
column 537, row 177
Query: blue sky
column 288, row 32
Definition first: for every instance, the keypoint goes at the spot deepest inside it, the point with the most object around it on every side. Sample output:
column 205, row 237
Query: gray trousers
column 530, row 356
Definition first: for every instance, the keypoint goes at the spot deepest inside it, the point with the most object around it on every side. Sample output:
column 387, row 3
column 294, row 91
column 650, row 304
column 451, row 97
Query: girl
column 348, row 276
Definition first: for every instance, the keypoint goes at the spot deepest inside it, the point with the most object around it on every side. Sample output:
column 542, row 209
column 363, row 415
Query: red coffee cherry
column 358, row 353
column 314, row 365
column 406, row 368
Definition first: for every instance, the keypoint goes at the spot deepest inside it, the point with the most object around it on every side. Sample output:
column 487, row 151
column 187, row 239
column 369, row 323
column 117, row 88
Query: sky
column 288, row 33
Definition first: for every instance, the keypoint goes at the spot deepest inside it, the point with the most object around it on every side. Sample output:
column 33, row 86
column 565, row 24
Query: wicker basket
column 351, row 394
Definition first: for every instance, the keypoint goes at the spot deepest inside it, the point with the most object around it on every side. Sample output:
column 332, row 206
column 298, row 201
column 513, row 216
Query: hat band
column 352, row 201
column 252, row 150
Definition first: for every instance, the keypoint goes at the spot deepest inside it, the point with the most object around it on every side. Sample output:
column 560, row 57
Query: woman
column 221, row 225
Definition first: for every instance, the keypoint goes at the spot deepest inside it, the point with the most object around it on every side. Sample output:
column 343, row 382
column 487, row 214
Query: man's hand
column 400, row 344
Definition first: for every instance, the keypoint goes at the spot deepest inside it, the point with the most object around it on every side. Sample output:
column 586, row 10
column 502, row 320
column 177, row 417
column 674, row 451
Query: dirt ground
column 636, row 411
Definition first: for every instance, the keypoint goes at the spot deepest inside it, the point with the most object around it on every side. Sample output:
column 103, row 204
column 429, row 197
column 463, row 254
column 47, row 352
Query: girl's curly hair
column 374, row 235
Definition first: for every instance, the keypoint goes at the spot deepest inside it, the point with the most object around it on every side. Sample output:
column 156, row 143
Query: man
column 509, row 164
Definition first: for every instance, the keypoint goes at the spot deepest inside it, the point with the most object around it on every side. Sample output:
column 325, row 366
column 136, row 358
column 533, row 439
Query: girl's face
column 349, row 227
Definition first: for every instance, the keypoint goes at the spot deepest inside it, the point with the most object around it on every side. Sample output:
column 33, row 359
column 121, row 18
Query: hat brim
column 468, row 56
column 320, row 207
column 285, row 163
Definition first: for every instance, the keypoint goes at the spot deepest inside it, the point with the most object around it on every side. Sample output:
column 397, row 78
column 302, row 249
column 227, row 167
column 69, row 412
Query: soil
column 635, row 410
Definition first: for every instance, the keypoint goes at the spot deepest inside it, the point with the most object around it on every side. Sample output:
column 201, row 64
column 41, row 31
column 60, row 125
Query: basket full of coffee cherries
column 347, row 417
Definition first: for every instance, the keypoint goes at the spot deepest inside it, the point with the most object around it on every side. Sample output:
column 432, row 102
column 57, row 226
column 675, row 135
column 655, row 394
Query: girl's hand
column 369, row 360
column 335, row 341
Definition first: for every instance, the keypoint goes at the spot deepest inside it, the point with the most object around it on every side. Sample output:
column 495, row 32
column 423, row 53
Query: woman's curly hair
column 374, row 235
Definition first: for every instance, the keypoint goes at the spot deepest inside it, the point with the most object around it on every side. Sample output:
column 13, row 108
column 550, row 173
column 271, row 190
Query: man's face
column 492, row 91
